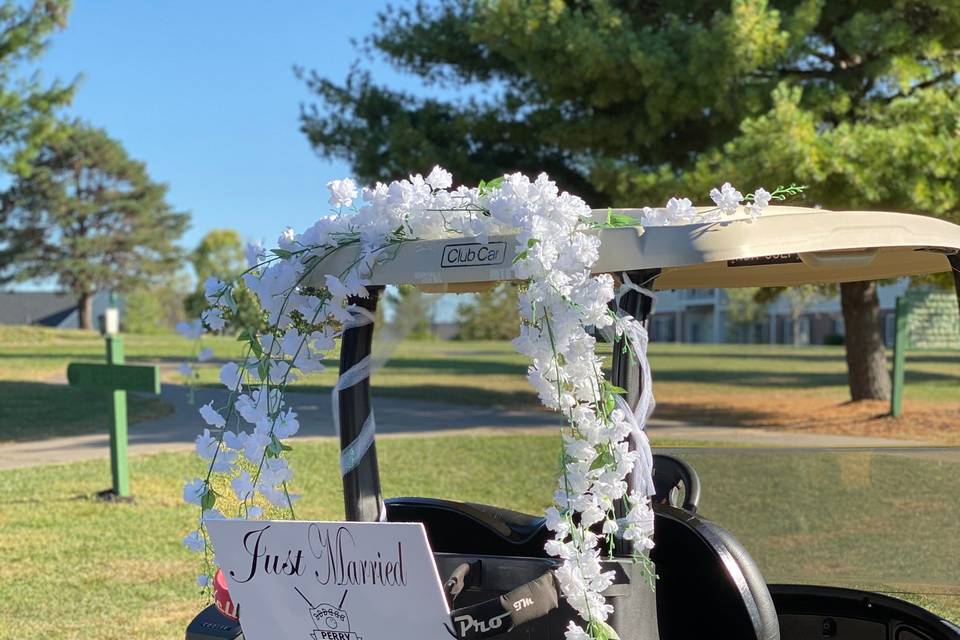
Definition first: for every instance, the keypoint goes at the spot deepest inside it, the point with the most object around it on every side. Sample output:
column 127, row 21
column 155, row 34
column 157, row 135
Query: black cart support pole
column 361, row 485
column 625, row 371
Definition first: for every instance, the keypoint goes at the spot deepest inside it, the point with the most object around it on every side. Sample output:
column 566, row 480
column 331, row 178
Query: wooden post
column 118, row 432
column 118, row 378
column 901, row 342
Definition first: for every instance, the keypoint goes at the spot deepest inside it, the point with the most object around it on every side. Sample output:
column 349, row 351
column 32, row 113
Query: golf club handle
column 457, row 581
column 498, row 616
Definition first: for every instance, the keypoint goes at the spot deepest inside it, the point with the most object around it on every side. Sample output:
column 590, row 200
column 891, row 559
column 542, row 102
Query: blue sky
column 204, row 93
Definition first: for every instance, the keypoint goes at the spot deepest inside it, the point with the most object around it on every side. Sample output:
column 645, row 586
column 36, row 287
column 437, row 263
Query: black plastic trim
column 803, row 599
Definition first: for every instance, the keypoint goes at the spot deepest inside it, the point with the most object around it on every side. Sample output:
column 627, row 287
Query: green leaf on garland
column 209, row 499
column 617, row 220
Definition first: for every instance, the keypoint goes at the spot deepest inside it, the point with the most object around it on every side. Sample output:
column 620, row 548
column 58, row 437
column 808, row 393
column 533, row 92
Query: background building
column 703, row 316
column 47, row 309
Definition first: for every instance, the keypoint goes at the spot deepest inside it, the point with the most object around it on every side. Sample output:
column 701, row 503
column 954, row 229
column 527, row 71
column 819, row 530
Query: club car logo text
column 473, row 254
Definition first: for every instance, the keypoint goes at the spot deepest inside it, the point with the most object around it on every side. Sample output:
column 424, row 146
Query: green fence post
column 900, row 343
column 118, row 432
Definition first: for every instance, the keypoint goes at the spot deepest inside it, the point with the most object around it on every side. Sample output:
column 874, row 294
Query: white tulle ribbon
column 351, row 454
column 642, row 478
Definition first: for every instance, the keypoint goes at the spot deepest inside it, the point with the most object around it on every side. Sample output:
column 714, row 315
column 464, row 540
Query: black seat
column 708, row 586
column 480, row 529
column 669, row 476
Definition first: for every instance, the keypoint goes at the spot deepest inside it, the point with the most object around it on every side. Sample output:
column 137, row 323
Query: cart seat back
column 708, row 585
column 464, row 527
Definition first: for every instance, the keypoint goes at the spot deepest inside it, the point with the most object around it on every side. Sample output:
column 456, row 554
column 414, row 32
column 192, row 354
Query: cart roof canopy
column 784, row 246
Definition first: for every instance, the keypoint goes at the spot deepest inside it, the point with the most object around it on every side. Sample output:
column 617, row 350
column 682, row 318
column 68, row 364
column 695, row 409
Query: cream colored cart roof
column 785, row 246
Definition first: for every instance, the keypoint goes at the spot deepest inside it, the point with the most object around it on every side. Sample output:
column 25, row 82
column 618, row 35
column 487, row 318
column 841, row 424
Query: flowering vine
column 561, row 303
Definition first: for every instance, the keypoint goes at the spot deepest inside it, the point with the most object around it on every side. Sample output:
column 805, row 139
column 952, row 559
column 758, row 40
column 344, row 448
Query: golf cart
column 708, row 585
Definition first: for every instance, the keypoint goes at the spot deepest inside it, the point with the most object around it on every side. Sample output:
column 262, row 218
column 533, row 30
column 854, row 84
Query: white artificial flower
column 726, row 198
column 213, row 288
column 242, row 486
column 575, row 632
column 236, row 441
column 253, row 408
column 224, row 462
column 255, row 253
column 185, row 370
column 290, row 342
column 349, row 286
column 275, row 471
column 440, row 178
column 276, row 497
column 255, row 444
column 761, row 200
column 206, row 445
column 286, row 425
column 342, row 192
column 213, row 318
column 211, row 416
column 194, row 491
column 680, row 211
column 231, row 375
column 211, row 514
column 287, row 239
column 190, row 330
column 195, row 542
column 205, row 354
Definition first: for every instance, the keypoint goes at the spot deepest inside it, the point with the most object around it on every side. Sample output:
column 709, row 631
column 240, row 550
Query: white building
column 702, row 315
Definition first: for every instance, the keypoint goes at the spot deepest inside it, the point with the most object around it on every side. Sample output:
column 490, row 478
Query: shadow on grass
column 35, row 410
column 784, row 378
column 522, row 398
column 748, row 353
column 712, row 416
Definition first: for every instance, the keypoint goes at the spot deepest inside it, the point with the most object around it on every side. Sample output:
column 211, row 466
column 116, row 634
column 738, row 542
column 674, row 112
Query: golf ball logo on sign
column 331, row 580
column 332, row 622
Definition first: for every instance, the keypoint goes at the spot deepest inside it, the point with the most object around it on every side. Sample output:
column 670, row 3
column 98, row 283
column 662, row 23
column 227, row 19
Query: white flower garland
column 245, row 440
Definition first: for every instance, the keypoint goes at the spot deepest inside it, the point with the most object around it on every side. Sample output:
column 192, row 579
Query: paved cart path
column 177, row 431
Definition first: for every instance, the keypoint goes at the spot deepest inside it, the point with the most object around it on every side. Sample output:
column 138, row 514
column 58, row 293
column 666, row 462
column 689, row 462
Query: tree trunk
column 867, row 373
column 85, row 310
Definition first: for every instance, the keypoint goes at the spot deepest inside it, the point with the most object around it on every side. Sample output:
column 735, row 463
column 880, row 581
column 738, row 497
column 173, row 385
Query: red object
column 221, row 596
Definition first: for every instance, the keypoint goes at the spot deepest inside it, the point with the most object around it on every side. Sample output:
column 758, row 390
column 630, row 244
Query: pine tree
column 88, row 216
column 628, row 102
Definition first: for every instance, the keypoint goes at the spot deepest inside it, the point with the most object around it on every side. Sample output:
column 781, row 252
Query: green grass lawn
column 78, row 568
column 34, row 410
column 492, row 373
column 34, row 401
column 714, row 384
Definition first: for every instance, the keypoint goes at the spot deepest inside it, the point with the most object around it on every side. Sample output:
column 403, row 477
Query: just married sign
column 331, row 580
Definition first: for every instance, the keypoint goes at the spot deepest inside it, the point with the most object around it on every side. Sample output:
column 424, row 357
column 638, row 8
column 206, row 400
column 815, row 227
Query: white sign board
column 331, row 580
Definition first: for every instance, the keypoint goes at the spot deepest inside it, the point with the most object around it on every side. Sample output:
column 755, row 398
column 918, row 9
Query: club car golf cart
column 708, row 585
